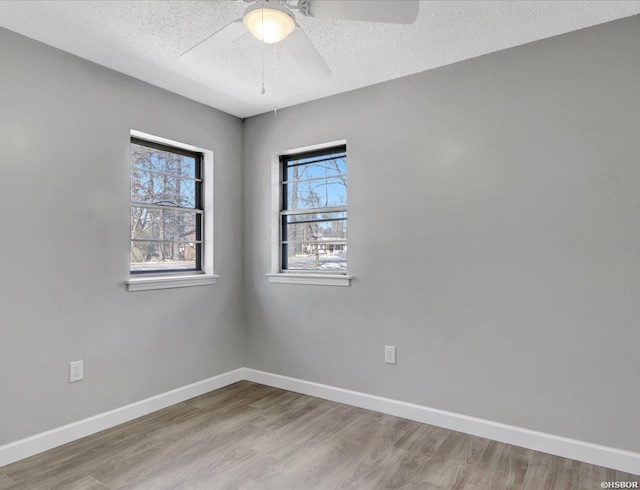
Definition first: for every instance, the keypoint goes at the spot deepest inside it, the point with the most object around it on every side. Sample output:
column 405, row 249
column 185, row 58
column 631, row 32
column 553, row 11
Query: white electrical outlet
column 389, row 354
column 76, row 371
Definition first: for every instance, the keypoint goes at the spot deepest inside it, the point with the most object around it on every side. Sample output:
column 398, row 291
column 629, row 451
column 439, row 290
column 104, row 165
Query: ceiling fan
column 273, row 21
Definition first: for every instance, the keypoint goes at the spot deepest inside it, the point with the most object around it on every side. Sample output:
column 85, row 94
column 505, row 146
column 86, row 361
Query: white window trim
column 276, row 275
column 144, row 282
column 310, row 279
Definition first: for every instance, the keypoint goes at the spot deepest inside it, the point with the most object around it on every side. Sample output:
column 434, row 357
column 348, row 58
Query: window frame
column 285, row 211
column 149, row 280
column 279, row 167
column 197, row 209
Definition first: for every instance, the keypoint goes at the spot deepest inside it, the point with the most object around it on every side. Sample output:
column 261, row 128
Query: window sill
column 311, row 279
column 146, row 283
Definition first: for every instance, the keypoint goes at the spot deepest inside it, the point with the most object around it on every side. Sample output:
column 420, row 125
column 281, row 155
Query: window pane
column 317, row 231
column 326, row 168
column 317, row 257
column 320, row 245
column 317, row 194
column 154, row 256
column 153, row 188
column 163, row 224
column 146, row 158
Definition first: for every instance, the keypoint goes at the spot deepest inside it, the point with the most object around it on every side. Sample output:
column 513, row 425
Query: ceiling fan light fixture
column 277, row 24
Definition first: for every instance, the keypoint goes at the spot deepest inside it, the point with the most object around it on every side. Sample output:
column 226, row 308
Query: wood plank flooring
column 253, row 437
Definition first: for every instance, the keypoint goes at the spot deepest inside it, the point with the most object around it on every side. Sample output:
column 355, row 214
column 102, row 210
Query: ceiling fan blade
column 217, row 40
column 305, row 53
column 391, row 11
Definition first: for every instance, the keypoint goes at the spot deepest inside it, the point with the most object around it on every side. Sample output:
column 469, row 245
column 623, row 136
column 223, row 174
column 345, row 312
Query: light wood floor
column 250, row 436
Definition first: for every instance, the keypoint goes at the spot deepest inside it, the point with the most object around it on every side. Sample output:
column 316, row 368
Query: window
column 313, row 214
column 167, row 209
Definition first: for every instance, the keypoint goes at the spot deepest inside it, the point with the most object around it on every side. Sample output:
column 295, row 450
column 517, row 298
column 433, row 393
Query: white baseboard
column 44, row 441
column 560, row 446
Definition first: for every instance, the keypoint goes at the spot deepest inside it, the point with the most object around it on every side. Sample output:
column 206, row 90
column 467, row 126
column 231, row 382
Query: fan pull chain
column 263, row 90
column 262, row 41
column 275, row 74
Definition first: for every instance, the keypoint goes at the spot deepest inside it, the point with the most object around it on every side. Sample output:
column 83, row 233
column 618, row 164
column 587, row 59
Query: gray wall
column 64, row 129
column 494, row 239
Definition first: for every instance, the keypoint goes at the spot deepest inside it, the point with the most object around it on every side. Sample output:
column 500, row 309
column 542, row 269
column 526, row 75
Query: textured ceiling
column 144, row 39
